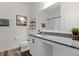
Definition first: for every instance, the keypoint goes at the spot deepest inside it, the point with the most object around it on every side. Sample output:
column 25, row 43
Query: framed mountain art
column 21, row 20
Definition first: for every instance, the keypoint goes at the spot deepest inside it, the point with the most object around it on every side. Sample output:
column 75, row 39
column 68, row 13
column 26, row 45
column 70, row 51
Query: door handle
column 33, row 41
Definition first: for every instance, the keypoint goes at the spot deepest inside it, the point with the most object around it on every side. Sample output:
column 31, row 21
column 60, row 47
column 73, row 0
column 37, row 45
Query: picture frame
column 21, row 20
column 4, row 22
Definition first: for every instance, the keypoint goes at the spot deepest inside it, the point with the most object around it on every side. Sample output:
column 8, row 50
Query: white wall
column 8, row 34
column 35, row 8
column 70, row 15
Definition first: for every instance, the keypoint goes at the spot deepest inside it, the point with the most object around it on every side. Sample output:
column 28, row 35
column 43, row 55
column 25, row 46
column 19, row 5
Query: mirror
column 51, row 17
column 61, row 16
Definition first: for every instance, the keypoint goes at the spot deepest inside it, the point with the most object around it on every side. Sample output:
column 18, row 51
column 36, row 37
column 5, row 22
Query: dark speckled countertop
column 58, row 34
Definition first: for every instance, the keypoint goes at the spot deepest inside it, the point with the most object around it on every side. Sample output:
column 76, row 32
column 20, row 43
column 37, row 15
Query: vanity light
column 47, row 4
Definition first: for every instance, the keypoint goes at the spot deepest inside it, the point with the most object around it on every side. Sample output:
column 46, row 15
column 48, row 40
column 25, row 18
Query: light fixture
column 47, row 4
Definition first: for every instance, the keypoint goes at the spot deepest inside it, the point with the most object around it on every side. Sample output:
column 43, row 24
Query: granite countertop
column 56, row 39
column 61, row 42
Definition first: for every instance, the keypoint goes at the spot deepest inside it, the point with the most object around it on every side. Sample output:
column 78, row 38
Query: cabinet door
column 32, row 45
column 36, row 47
column 42, row 48
column 60, row 52
column 30, row 40
column 39, row 48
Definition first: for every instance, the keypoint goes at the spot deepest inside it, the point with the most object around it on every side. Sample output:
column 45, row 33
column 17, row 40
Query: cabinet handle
column 33, row 40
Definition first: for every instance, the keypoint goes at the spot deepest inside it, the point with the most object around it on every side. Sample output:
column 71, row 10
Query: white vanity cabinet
column 44, row 47
column 61, row 52
column 34, row 46
column 39, row 48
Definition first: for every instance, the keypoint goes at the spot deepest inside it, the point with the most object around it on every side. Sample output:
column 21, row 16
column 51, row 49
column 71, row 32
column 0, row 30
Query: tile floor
column 15, row 52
